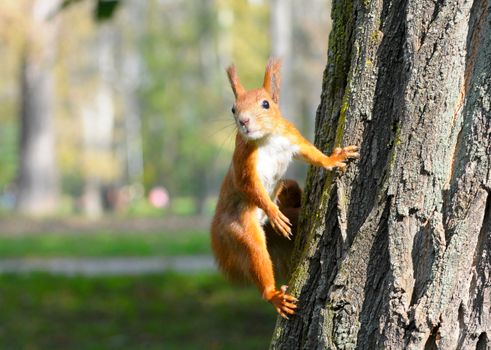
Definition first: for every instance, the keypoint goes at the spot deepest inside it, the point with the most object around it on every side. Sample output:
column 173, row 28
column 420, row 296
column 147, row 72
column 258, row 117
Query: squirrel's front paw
column 339, row 157
column 284, row 304
column 280, row 223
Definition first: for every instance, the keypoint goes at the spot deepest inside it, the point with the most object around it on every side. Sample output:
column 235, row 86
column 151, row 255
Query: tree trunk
column 398, row 252
column 38, row 185
column 132, row 66
column 98, row 119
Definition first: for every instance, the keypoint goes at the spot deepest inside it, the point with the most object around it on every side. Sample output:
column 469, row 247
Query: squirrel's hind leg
column 261, row 271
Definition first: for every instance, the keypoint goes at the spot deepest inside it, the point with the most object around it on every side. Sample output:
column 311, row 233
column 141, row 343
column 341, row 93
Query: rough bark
column 398, row 252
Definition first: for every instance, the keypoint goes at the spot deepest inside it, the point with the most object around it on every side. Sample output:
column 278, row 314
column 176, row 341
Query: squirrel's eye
column 233, row 110
column 265, row 104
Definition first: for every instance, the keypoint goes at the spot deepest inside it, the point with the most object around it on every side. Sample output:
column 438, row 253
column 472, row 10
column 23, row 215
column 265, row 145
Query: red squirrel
column 264, row 146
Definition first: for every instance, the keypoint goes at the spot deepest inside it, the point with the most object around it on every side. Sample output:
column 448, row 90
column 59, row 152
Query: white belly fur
column 274, row 155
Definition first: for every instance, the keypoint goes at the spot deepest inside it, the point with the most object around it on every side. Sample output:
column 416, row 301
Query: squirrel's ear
column 237, row 87
column 272, row 79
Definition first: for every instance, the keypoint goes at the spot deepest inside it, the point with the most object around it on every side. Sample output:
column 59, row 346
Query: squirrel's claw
column 283, row 303
column 340, row 156
column 350, row 152
column 281, row 224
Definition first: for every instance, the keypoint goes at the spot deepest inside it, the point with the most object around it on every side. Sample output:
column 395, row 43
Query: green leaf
column 105, row 9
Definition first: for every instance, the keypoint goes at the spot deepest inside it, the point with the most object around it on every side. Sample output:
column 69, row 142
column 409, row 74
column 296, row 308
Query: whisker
column 227, row 140
column 215, row 132
column 220, row 120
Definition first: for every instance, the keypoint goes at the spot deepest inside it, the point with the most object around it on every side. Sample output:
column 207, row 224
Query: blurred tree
column 98, row 118
column 37, row 185
column 282, row 27
column 77, row 79
column 132, row 66
column 309, row 43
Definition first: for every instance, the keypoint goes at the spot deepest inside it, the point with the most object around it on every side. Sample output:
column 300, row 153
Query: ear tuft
column 237, row 87
column 272, row 78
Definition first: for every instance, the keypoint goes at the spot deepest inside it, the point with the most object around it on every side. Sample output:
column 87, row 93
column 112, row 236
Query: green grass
column 105, row 244
column 41, row 311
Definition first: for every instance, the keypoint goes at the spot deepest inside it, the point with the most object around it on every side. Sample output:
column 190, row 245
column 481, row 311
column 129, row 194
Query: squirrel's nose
column 243, row 121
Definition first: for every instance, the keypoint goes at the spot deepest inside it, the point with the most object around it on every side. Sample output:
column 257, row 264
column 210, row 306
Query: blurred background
column 115, row 134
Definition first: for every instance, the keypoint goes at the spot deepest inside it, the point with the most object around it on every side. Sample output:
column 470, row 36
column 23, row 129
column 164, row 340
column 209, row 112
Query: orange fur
column 264, row 145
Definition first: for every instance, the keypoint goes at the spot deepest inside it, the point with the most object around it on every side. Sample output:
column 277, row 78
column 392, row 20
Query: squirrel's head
column 256, row 111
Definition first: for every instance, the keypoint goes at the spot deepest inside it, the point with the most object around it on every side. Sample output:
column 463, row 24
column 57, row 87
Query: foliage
column 183, row 96
column 103, row 9
column 167, row 311
column 12, row 34
column 8, row 153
